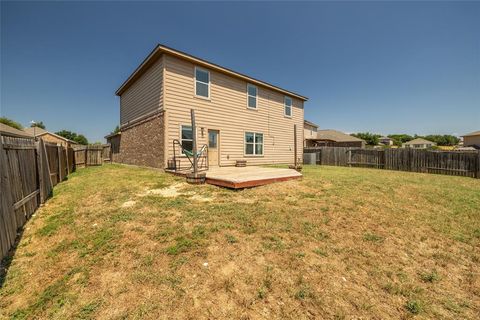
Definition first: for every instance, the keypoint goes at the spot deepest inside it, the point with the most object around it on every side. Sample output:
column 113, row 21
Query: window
column 212, row 139
column 202, row 83
column 187, row 138
column 252, row 96
column 253, row 143
column 288, row 107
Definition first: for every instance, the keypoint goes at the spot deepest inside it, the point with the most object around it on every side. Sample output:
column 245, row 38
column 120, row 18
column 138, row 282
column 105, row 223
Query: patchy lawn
column 124, row 242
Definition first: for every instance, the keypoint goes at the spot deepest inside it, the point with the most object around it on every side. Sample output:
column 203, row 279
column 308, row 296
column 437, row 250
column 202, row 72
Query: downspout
column 268, row 124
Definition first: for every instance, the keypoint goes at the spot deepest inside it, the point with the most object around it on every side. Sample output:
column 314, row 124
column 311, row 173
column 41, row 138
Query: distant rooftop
column 12, row 132
column 40, row 132
column 335, row 135
column 419, row 141
column 310, row 123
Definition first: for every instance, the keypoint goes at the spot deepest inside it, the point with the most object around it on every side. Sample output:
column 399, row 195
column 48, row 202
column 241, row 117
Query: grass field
column 119, row 242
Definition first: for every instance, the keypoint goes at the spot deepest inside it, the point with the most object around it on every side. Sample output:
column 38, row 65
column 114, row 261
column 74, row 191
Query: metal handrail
column 203, row 151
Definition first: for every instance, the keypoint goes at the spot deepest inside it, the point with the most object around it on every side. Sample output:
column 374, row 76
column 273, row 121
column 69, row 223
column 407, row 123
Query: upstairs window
column 252, row 96
column 253, row 143
column 202, row 83
column 288, row 106
column 187, row 138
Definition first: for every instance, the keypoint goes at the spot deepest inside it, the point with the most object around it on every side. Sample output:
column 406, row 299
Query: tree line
column 78, row 138
column 372, row 139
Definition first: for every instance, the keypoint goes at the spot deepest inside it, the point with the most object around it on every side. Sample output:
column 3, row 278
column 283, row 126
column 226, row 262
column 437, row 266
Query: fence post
column 59, row 169
column 41, row 186
column 86, row 153
column 349, row 157
column 48, row 163
column 478, row 164
column 66, row 160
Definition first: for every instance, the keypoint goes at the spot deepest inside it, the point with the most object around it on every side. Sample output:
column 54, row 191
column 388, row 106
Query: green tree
column 38, row 125
column 116, row 130
column 443, row 140
column 11, row 123
column 370, row 138
column 81, row 139
column 78, row 138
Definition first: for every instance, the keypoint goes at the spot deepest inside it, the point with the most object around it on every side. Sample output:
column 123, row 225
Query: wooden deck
column 247, row 177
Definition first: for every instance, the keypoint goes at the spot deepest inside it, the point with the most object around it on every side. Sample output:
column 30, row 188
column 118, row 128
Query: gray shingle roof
column 334, row 135
column 419, row 141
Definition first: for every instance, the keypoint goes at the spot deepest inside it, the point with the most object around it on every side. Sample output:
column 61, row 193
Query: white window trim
column 285, row 107
column 256, row 97
column 245, row 144
column 195, row 83
column 180, row 137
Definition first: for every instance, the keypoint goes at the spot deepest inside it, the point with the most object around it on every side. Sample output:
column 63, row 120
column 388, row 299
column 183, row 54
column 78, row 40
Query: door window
column 212, row 139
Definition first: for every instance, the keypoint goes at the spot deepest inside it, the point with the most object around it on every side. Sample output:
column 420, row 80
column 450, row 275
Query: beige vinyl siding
column 227, row 111
column 471, row 140
column 144, row 96
column 309, row 132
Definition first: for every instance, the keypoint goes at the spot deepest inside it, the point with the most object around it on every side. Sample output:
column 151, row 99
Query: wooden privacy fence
column 26, row 182
column 93, row 155
column 29, row 170
column 457, row 163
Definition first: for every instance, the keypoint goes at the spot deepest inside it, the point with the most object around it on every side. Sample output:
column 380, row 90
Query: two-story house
column 237, row 117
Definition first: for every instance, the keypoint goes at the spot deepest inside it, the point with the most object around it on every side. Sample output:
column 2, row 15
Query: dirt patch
column 169, row 192
column 176, row 190
column 201, row 198
column 128, row 204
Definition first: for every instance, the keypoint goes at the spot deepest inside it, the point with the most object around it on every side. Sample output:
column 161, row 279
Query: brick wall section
column 142, row 143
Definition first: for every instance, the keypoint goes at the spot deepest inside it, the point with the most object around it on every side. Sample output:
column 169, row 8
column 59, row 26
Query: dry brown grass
column 341, row 243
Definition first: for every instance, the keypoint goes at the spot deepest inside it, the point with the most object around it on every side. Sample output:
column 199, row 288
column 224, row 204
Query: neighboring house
column 386, row 141
column 309, row 132
column 13, row 132
column 472, row 139
column 237, row 116
column 419, row 143
column 50, row 137
column 334, row 138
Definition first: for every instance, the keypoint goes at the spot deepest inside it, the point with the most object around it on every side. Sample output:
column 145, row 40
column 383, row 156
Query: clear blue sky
column 382, row 67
